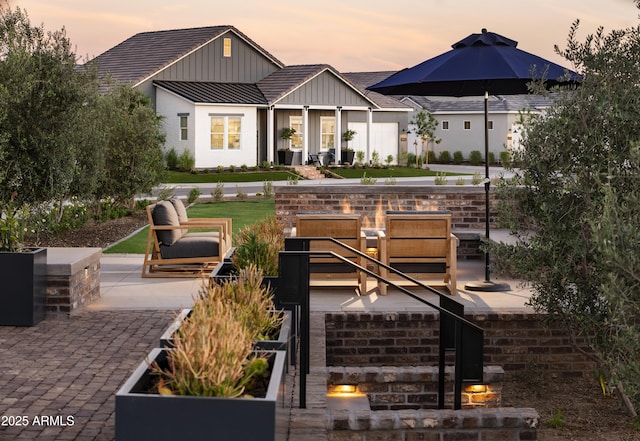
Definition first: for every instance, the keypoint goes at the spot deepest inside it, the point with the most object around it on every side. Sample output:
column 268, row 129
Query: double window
column 226, row 132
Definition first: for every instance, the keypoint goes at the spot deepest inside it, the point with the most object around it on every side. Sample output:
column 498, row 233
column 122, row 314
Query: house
column 461, row 120
column 227, row 100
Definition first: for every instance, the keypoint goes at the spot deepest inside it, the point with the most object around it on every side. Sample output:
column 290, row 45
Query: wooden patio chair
column 175, row 251
column 421, row 245
column 346, row 228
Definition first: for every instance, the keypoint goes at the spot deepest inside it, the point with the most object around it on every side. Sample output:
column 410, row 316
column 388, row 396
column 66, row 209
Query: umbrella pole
column 487, row 285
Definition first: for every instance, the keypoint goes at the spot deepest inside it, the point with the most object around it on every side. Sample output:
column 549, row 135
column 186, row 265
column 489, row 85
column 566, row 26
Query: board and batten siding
column 245, row 65
column 325, row 90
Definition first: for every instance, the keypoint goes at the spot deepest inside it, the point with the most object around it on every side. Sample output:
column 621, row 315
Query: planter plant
column 250, row 301
column 210, row 384
column 23, row 271
column 285, row 155
column 346, row 156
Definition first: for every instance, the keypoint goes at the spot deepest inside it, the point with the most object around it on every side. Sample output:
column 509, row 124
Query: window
column 295, row 122
column 327, row 132
column 227, row 48
column 184, row 126
column 445, row 125
column 217, row 132
column 490, row 125
column 467, row 125
column 226, row 132
column 234, row 126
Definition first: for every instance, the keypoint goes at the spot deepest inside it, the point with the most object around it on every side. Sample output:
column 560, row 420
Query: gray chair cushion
column 192, row 245
column 165, row 214
column 181, row 211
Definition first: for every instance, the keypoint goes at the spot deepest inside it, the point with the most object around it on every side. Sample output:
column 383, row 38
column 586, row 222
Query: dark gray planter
column 281, row 343
column 346, row 156
column 141, row 415
column 225, row 271
column 285, row 157
column 24, row 283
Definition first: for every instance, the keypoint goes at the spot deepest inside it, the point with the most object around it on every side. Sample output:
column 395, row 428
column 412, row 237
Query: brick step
column 309, row 172
column 416, row 387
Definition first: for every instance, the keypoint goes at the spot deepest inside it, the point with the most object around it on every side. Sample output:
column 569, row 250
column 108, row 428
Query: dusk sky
column 350, row 35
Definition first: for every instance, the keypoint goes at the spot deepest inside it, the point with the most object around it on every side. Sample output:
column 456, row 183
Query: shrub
column 171, row 159
column 475, row 157
column 444, row 157
column 218, row 192
column 431, row 155
column 492, row 158
column 267, row 188
column 186, row 161
column 505, row 158
column 458, row 157
column 194, row 194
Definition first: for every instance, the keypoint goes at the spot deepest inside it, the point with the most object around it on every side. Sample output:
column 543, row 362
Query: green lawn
column 391, row 172
column 242, row 213
column 174, row 177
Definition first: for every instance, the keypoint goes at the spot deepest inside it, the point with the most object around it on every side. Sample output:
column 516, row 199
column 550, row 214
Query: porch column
column 338, row 134
column 305, row 134
column 369, row 126
column 270, row 128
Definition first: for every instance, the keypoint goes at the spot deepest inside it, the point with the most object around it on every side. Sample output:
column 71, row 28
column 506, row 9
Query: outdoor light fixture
column 344, row 389
column 476, row 388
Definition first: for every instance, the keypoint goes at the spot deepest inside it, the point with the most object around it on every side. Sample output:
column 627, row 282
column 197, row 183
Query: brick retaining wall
column 466, row 202
column 514, row 341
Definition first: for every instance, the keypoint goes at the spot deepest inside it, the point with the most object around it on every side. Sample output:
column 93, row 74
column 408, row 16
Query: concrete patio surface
column 69, row 369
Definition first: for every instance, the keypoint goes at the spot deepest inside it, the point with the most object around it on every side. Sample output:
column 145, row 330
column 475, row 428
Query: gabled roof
column 215, row 93
column 365, row 79
column 279, row 84
column 147, row 53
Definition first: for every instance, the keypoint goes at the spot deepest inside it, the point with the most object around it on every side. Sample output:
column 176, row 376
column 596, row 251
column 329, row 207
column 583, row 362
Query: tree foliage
column 59, row 136
column 574, row 205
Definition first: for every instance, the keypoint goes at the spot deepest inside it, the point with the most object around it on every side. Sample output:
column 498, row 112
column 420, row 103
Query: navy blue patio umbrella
column 480, row 64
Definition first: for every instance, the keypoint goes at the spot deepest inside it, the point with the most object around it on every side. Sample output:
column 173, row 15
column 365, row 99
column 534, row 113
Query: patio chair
column 175, row 251
column 421, row 245
column 345, row 228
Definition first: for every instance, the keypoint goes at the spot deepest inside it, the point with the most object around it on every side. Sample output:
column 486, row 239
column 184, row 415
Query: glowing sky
column 351, row 35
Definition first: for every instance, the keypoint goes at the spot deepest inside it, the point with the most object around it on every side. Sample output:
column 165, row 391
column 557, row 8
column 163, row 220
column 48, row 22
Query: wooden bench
column 421, row 245
column 175, row 251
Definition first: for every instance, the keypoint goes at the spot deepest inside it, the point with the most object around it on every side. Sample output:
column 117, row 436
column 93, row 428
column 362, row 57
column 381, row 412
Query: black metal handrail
column 456, row 332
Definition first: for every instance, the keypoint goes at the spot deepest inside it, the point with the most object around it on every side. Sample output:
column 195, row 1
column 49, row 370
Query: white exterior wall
column 169, row 105
column 384, row 139
column 456, row 138
column 245, row 155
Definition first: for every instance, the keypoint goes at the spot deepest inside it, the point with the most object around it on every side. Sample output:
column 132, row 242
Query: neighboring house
column 226, row 100
column 461, row 120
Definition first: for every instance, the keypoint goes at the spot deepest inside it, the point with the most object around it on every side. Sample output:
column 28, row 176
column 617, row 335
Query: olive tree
column 43, row 94
column 130, row 145
column 574, row 206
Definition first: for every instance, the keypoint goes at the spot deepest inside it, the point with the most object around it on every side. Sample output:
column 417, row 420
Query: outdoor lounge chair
column 421, row 245
column 345, row 228
column 173, row 251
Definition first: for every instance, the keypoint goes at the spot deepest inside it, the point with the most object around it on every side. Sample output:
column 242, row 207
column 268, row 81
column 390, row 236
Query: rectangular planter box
column 281, row 343
column 24, row 283
column 141, row 415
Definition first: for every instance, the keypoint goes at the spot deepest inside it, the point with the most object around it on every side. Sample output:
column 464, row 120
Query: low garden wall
column 466, row 203
column 73, row 279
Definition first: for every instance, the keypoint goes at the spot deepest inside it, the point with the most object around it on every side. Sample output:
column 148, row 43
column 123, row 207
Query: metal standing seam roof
column 215, row 93
column 147, row 53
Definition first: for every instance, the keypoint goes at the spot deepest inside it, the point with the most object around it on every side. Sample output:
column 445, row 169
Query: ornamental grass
column 212, row 349
column 259, row 244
